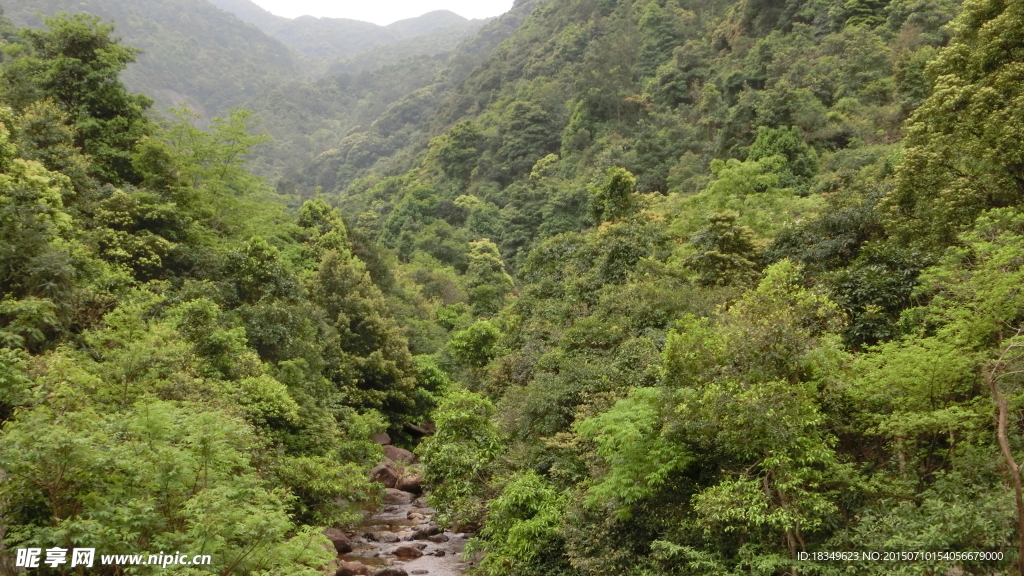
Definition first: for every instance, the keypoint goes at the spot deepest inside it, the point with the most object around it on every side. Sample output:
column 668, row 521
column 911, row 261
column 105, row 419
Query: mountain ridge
column 326, row 37
column 230, row 61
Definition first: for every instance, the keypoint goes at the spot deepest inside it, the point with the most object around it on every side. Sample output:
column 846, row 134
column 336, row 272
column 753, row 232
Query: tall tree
column 963, row 152
column 77, row 63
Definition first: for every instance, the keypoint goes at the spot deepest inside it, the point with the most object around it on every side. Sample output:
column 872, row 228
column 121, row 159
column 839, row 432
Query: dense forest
column 671, row 288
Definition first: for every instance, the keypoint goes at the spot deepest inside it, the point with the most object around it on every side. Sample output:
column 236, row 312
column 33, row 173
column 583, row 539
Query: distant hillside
column 328, row 131
column 437, row 42
column 427, row 23
column 331, row 38
column 253, row 13
column 194, row 53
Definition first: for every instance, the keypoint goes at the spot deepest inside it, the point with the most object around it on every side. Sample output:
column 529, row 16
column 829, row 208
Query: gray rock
column 424, row 533
column 352, row 569
column 421, row 502
column 398, row 497
column 399, row 454
column 385, row 473
column 383, row 439
column 341, row 542
column 407, row 552
column 412, row 484
column 421, row 571
column 439, row 553
column 391, row 572
column 438, row 538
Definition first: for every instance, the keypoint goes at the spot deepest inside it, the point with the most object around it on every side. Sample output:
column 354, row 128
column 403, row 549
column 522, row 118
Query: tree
column 159, row 475
column 375, row 369
column 725, row 252
column 613, row 200
column 458, row 459
column 960, row 156
column 76, row 63
column 801, row 161
column 487, row 281
column 457, row 154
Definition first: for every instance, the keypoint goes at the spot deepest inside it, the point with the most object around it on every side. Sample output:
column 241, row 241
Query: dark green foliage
column 527, row 133
column 77, row 64
column 458, row 154
column 613, row 200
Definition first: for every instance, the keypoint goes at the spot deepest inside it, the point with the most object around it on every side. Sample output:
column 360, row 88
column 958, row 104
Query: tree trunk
column 1002, row 414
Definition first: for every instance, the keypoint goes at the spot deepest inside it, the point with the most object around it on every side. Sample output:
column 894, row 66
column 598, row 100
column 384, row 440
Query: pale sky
column 384, row 12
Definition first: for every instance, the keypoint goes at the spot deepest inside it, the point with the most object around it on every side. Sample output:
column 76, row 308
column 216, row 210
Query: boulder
column 414, row 516
column 438, row 538
column 385, row 473
column 397, row 454
column 383, row 439
column 386, row 537
column 352, row 569
column 341, row 542
column 391, row 572
column 412, row 484
column 424, row 533
column 407, row 552
column 421, row 571
column 439, row 552
column 394, row 496
column 421, row 502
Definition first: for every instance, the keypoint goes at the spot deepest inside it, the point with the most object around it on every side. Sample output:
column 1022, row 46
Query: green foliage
column 458, row 458
column 801, row 160
column 639, row 458
column 159, row 476
column 76, row 63
column 725, row 252
column 183, row 365
column 487, row 281
column 682, row 299
column 194, row 53
column 956, row 160
column 475, row 346
column 614, row 199
column 521, row 535
column 457, row 155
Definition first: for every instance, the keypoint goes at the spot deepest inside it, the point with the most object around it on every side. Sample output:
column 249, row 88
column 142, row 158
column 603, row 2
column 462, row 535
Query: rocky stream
column 401, row 537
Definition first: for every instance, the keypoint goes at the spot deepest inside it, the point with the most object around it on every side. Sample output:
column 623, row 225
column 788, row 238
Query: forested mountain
column 193, row 52
column 209, row 59
column 332, row 38
column 313, row 124
column 184, row 365
column 725, row 281
column 686, row 288
column 443, row 40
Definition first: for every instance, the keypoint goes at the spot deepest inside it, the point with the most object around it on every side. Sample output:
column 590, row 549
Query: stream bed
column 402, row 539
